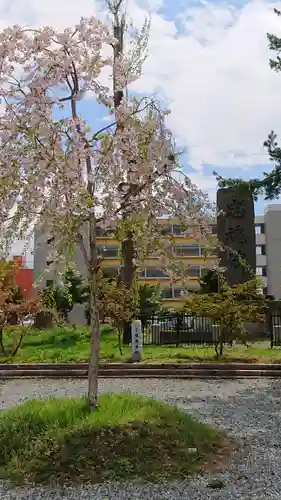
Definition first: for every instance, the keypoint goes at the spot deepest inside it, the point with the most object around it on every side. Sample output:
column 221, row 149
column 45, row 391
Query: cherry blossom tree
column 67, row 177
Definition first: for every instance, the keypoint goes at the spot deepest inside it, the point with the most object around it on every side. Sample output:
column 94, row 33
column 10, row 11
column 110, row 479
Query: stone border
column 142, row 370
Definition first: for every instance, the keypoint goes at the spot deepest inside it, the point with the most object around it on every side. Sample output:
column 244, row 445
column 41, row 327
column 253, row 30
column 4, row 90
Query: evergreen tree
column 63, row 297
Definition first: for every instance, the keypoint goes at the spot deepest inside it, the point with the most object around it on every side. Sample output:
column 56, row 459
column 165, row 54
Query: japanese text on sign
column 236, row 235
column 236, row 208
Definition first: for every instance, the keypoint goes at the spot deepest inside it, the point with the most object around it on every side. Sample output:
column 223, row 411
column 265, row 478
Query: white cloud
column 58, row 13
column 210, row 63
column 223, row 97
column 207, row 183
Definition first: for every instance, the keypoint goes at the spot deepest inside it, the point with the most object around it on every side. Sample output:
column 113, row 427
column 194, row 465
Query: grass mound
column 60, row 441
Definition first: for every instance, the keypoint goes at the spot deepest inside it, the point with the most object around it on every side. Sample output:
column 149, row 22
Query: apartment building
column 268, row 253
column 188, row 251
column 268, row 249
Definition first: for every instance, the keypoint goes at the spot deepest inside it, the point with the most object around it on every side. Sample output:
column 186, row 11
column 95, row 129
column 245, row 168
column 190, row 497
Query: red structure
column 24, row 277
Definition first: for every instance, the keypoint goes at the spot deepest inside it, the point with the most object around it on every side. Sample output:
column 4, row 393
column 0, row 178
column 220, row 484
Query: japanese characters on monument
column 236, row 232
column 136, row 340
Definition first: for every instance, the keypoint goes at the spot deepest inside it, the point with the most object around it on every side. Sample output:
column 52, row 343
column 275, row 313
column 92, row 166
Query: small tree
column 229, row 309
column 119, row 304
column 69, row 178
column 63, row 297
column 12, row 305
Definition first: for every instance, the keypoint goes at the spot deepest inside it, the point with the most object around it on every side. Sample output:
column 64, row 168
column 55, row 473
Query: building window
column 178, row 293
column 187, row 250
column 154, row 272
column 194, row 271
column 141, row 272
column 214, row 229
column 167, row 293
column 192, row 287
column 100, row 232
column 172, row 293
column 259, row 228
column 165, row 229
column 109, row 252
column 204, row 271
column 261, row 271
column 260, row 249
column 179, row 229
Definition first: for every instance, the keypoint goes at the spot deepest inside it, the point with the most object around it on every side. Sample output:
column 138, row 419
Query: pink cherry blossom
column 70, row 179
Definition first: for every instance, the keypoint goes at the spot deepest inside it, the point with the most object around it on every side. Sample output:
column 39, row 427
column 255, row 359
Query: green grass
column 60, row 441
column 68, row 345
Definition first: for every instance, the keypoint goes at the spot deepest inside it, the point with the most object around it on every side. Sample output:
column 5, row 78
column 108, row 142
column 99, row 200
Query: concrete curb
column 141, row 370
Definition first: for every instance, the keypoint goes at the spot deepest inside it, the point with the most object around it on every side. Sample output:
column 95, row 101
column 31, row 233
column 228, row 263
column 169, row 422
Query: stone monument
column 136, row 340
column 236, row 234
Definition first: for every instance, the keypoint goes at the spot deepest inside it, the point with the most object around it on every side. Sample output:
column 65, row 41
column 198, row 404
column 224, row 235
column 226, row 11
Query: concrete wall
column 272, row 219
column 41, row 252
column 40, row 256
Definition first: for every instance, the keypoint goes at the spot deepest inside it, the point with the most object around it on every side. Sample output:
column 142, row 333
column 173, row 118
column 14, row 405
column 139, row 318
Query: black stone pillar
column 236, row 234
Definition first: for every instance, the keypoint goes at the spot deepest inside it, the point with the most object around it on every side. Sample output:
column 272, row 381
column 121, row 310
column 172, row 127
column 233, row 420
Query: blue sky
column 208, row 62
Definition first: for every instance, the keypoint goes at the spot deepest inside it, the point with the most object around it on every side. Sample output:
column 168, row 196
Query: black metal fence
column 274, row 327
column 179, row 329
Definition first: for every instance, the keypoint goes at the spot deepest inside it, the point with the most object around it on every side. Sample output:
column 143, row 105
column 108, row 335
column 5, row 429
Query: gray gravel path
column 248, row 409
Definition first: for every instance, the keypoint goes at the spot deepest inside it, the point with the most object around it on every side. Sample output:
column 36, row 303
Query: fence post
column 215, row 333
column 270, row 326
column 178, row 330
column 136, row 340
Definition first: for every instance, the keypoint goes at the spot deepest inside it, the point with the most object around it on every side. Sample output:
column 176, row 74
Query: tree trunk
column 223, row 336
column 17, row 347
column 3, row 351
column 95, row 345
column 216, row 349
column 94, row 318
column 221, row 346
column 127, row 277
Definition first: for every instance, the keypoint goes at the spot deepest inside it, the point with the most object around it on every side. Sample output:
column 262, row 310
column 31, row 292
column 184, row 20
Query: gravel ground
column 248, row 409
